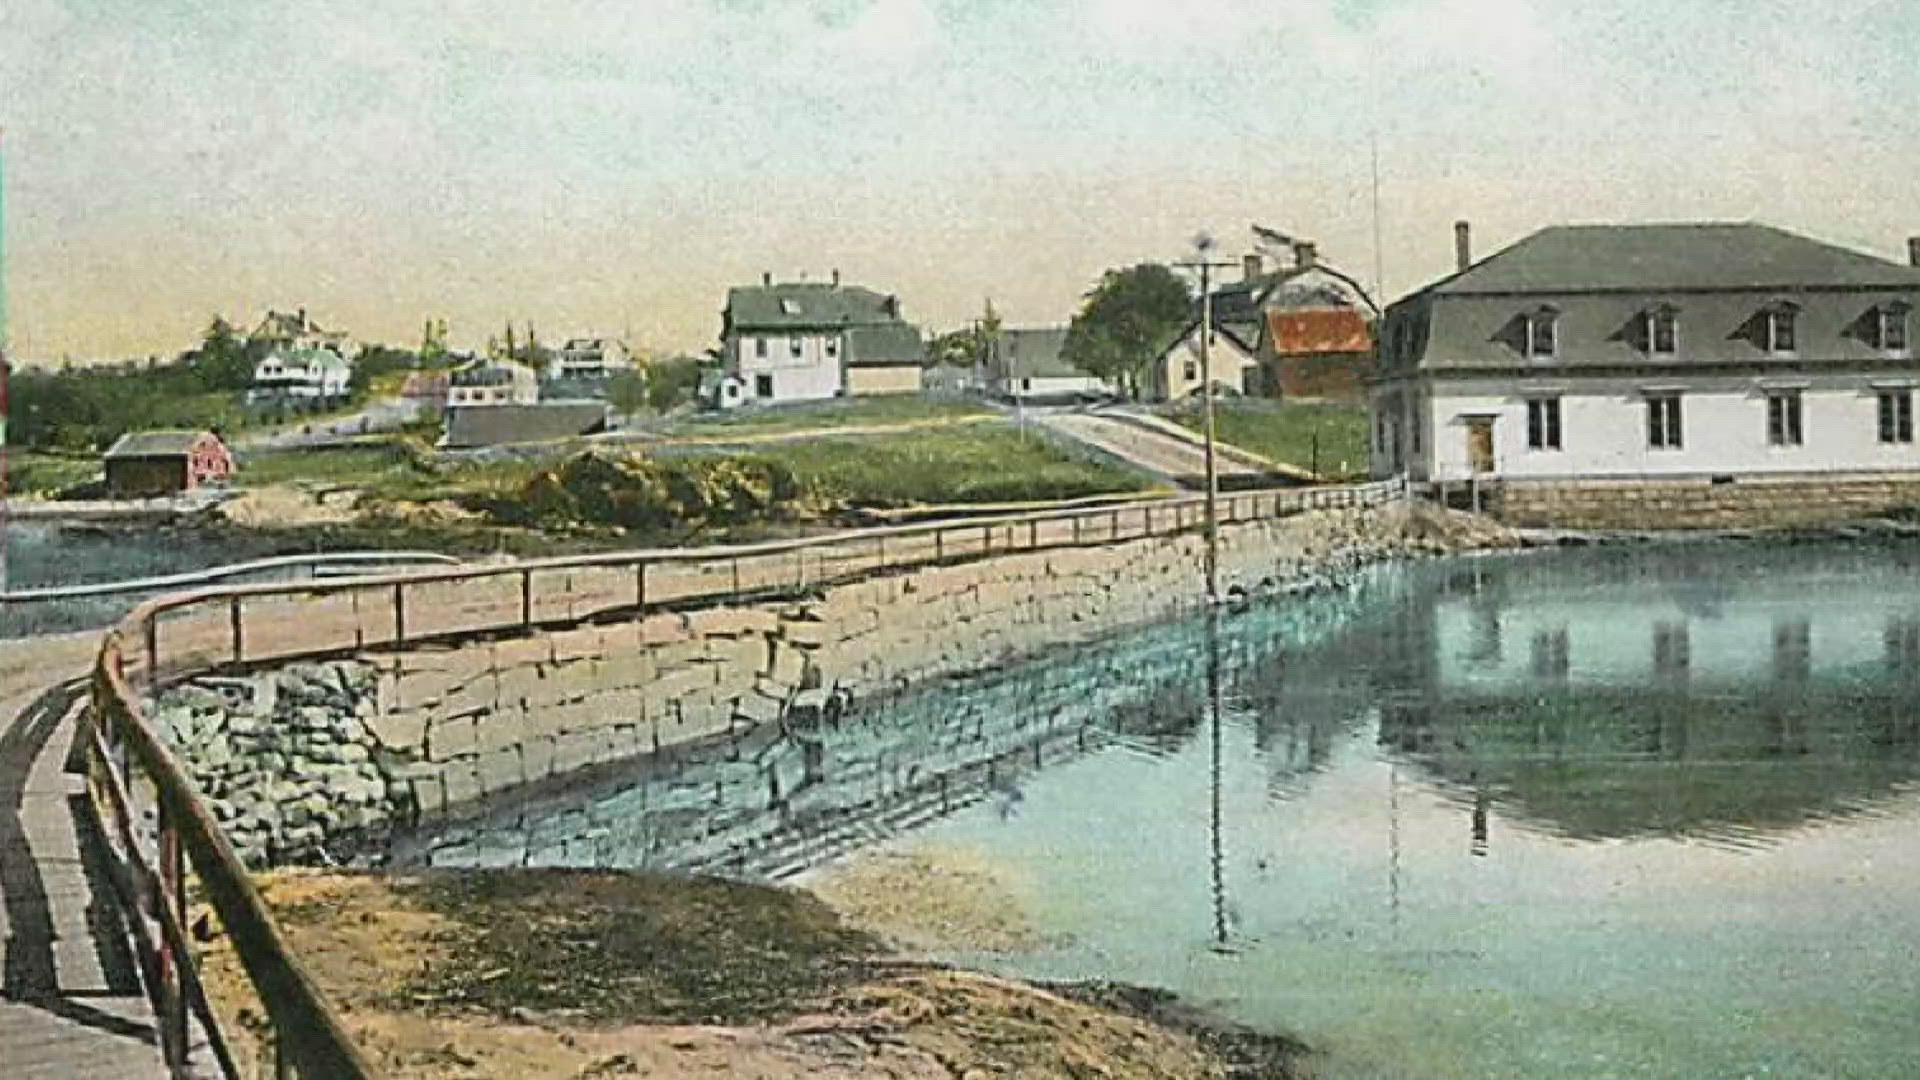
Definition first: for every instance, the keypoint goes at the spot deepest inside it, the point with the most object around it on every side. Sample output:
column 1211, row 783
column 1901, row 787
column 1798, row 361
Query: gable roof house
column 293, row 331
column 1304, row 330
column 1685, row 359
column 301, row 373
column 1026, row 364
column 800, row 341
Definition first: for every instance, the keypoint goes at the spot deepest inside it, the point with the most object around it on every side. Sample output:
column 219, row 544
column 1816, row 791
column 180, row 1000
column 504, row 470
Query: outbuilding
column 141, row 464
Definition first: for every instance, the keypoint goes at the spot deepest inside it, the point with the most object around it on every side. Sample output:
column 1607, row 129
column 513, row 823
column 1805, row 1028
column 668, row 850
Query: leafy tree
column 223, row 361
column 1127, row 317
column 670, row 382
column 627, row 390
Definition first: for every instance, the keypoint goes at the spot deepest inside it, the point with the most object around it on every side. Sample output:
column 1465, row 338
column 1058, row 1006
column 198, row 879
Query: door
column 1480, row 443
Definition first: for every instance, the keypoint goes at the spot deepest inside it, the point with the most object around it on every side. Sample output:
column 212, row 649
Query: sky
column 611, row 168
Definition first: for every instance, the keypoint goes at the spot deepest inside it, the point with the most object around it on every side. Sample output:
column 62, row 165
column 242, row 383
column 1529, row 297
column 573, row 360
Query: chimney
column 1462, row 245
column 1913, row 251
column 766, row 279
column 1250, row 265
column 1303, row 254
column 836, row 277
column 303, row 318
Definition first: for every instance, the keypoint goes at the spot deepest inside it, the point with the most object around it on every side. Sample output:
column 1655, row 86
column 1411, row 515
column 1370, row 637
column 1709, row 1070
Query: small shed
column 146, row 463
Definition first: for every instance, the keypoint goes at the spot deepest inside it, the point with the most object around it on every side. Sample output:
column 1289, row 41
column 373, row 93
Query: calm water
column 42, row 554
column 1625, row 812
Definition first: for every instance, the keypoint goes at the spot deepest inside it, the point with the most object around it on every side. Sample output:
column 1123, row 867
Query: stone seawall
column 453, row 728
column 1701, row 503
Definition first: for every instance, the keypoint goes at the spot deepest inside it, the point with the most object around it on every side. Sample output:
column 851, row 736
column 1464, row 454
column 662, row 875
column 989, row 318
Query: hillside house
column 295, row 332
column 492, row 382
column 1699, row 352
column 302, row 374
column 144, row 464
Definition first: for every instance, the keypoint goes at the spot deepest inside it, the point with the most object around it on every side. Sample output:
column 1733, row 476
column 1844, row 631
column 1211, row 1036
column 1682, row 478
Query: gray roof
column 136, row 444
column 494, row 425
column 1034, row 354
column 885, row 345
column 806, row 305
column 1680, row 257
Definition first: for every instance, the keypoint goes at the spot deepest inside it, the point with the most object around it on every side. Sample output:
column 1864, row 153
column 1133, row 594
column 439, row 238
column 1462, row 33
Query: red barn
column 147, row 463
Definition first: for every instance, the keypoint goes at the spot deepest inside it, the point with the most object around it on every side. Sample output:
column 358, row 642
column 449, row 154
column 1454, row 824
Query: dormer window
column 1777, row 328
column 1890, row 326
column 1662, row 330
column 789, row 306
column 1540, row 332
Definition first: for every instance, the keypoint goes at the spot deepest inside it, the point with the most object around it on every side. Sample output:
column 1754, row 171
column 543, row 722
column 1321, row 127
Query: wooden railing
column 133, row 774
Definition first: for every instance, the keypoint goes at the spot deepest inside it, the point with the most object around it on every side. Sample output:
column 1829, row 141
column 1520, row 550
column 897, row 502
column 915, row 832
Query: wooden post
column 173, row 1000
column 153, row 649
column 640, row 587
column 526, row 599
column 939, row 545
column 1033, row 533
column 399, row 616
column 735, row 564
column 233, row 620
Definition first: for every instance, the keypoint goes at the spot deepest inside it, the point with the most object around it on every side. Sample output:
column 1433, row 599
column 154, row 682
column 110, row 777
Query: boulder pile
column 284, row 758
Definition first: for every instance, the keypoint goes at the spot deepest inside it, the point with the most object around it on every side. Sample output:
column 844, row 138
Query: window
column 833, row 347
column 1663, row 421
column 1779, row 329
column 1792, row 649
column 1662, row 331
column 760, row 346
column 1890, row 327
column 789, row 306
column 793, row 346
column 1192, row 370
column 763, row 386
column 1550, row 653
column 1896, row 416
column 1540, row 332
column 1543, row 423
column 1783, row 418
column 1413, row 426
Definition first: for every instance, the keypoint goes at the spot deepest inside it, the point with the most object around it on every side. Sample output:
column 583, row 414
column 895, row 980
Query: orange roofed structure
column 1317, row 352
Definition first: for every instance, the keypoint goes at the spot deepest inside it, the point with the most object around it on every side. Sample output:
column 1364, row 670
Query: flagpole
column 6, row 365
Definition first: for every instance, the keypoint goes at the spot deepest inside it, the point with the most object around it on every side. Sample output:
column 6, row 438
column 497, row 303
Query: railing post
column 939, row 545
column 153, row 649
column 734, row 568
column 1033, row 534
column 526, row 598
column 399, row 615
column 170, row 899
column 640, row 587
column 1076, row 530
column 233, row 621
column 880, row 552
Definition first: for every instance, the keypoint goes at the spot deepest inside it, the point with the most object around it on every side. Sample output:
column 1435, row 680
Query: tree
column 627, row 390
column 669, row 382
column 1126, row 318
column 223, row 361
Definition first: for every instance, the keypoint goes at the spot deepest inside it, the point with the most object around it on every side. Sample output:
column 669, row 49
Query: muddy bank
column 570, row 974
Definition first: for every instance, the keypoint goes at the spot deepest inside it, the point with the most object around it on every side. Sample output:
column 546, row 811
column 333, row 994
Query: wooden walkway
column 71, row 1002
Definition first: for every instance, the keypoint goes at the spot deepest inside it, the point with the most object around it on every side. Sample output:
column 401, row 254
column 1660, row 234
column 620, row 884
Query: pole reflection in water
column 1217, row 854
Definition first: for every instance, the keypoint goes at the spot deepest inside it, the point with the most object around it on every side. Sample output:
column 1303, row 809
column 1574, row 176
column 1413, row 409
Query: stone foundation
column 1700, row 502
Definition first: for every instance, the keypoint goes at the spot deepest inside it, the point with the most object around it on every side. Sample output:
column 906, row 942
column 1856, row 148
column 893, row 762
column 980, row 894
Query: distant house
column 505, row 423
column 142, row 464
column 492, row 382
column 1304, row 330
column 590, row 358
column 796, row 341
column 301, row 374
column 291, row 332
column 1025, row 364
column 426, row 388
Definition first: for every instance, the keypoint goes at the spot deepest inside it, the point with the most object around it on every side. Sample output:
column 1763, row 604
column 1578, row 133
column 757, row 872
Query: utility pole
column 1203, row 244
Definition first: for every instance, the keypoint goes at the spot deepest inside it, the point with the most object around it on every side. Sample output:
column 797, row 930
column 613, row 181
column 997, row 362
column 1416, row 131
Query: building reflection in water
column 1755, row 698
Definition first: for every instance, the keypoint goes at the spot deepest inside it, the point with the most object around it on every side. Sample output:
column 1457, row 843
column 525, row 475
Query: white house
column 1630, row 352
column 590, row 358
column 796, row 341
column 492, row 382
column 305, row 374
column 1025, row 364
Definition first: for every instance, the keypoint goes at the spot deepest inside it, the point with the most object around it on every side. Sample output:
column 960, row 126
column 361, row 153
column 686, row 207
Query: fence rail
column 132, row 770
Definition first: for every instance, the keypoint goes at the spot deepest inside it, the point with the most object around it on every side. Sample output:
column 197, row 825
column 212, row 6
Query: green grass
column 975, row 463
column 32, row 472
column 1328, row 437
column 837, row 412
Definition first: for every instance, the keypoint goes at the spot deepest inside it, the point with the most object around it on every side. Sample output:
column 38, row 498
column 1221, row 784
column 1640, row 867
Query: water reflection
column 1763, row 691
